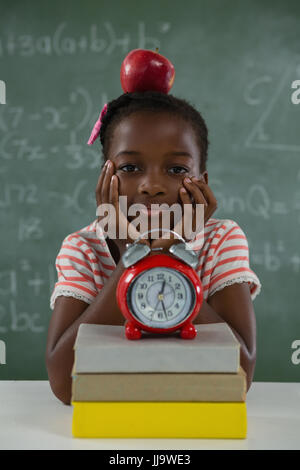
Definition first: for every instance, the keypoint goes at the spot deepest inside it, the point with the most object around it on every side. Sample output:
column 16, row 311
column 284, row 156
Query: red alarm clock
column 159, row 293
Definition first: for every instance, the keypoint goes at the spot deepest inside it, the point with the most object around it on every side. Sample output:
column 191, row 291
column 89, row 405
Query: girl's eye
column 128, row 168
column 179, row 170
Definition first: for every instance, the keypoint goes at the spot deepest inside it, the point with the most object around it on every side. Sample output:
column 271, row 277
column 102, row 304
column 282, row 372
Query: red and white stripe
column 84, row 262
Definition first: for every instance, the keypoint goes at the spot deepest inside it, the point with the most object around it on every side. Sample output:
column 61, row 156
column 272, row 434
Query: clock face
column 161, row 297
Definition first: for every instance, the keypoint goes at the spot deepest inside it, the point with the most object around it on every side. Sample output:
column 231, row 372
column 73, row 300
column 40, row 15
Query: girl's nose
column 152, row 185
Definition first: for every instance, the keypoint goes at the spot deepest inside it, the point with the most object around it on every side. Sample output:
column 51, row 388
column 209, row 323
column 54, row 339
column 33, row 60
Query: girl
column 155, row 147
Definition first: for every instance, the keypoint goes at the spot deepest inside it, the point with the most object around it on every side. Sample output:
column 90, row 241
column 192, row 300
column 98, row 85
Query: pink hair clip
column 97, row 126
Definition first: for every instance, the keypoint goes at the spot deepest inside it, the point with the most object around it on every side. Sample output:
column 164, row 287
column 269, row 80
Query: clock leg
column 132, row 332
column 188, row 331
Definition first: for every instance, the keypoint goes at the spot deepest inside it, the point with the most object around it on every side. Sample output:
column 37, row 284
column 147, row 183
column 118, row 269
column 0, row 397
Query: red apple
column 144, row 70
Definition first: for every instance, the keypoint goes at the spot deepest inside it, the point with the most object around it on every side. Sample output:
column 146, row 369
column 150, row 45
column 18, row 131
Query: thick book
column 207, row 387
column 104, row 348
column 159, row 420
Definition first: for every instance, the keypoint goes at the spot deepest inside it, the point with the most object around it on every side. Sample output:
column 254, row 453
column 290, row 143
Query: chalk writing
column 10, row 117
column 32, row 279
column 273, row 256
column 266, row 258
column 20, row 149
column 71, row 201
column 8, row 282
column 12, row 320
column 258, row 137
column 54, row 118
column 75, row 156
column 14, row 146
column 79, row 156
column 251, row 95
column 100, row 39
column 30, row 228
column 35, row 283
column 12, row 193
column 256, row 200
column 27, row 279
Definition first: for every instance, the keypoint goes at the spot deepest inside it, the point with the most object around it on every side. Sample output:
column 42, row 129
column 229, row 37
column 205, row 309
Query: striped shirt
column 84, row 262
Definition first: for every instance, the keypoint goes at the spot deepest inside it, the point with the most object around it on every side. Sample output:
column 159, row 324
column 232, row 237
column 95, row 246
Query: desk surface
column 32, row 418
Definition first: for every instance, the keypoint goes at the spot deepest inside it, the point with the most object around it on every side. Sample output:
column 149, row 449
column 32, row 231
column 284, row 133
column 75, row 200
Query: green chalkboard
column 60, row 62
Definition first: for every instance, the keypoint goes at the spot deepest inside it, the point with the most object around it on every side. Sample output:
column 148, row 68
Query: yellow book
column 204, row 420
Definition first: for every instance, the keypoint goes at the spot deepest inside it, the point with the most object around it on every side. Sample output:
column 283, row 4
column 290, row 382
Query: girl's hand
column 201, row 194
column 195, row 191
column 107, row 192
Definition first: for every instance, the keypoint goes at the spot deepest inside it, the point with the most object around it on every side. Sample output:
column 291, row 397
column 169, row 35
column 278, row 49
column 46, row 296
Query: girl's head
column 154, row 102
column 154, row 141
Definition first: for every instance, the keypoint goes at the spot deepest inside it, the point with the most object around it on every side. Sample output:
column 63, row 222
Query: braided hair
column 153, row 101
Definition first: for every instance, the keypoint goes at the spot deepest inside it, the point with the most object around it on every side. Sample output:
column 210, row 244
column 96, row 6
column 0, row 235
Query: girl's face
column 152, row 153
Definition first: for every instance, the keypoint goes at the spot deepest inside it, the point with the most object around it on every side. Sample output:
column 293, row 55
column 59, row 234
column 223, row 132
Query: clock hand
column 160, row 293
column 162, row 302
column 156, row 305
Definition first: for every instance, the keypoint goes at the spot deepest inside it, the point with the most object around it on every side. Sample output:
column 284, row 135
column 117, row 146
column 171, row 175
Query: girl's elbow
column 60, row 386
column 61, row 392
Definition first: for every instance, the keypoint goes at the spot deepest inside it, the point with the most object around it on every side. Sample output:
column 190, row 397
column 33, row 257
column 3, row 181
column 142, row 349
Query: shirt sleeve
column 77, row 273
column 231, row 261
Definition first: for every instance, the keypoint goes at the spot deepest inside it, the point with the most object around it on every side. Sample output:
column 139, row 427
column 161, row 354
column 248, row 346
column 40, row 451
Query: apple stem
column 156, row 50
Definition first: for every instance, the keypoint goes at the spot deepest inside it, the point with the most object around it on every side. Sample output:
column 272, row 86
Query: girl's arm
column 233, row 305
column 67, row 315
column 69, row 312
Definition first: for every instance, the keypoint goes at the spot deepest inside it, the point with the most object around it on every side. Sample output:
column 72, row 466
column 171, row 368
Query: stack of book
column 158, row 386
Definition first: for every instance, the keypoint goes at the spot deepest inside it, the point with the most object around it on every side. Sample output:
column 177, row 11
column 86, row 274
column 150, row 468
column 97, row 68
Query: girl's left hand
column 194, row 191
column 201, row 193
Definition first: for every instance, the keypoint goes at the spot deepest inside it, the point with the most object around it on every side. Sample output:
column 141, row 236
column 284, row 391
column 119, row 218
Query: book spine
column 114, row 361
column 159, row 387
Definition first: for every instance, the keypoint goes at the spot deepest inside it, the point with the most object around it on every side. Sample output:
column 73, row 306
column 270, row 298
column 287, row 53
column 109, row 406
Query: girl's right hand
column 107, row 192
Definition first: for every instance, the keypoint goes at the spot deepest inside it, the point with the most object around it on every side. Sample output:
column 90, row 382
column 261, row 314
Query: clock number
column 177, row 305
column 143, row 305
column 177, row 285
column 143, row 285
column 179, row 296
column 170, row 313
column 150, row 278
column 140, row 296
